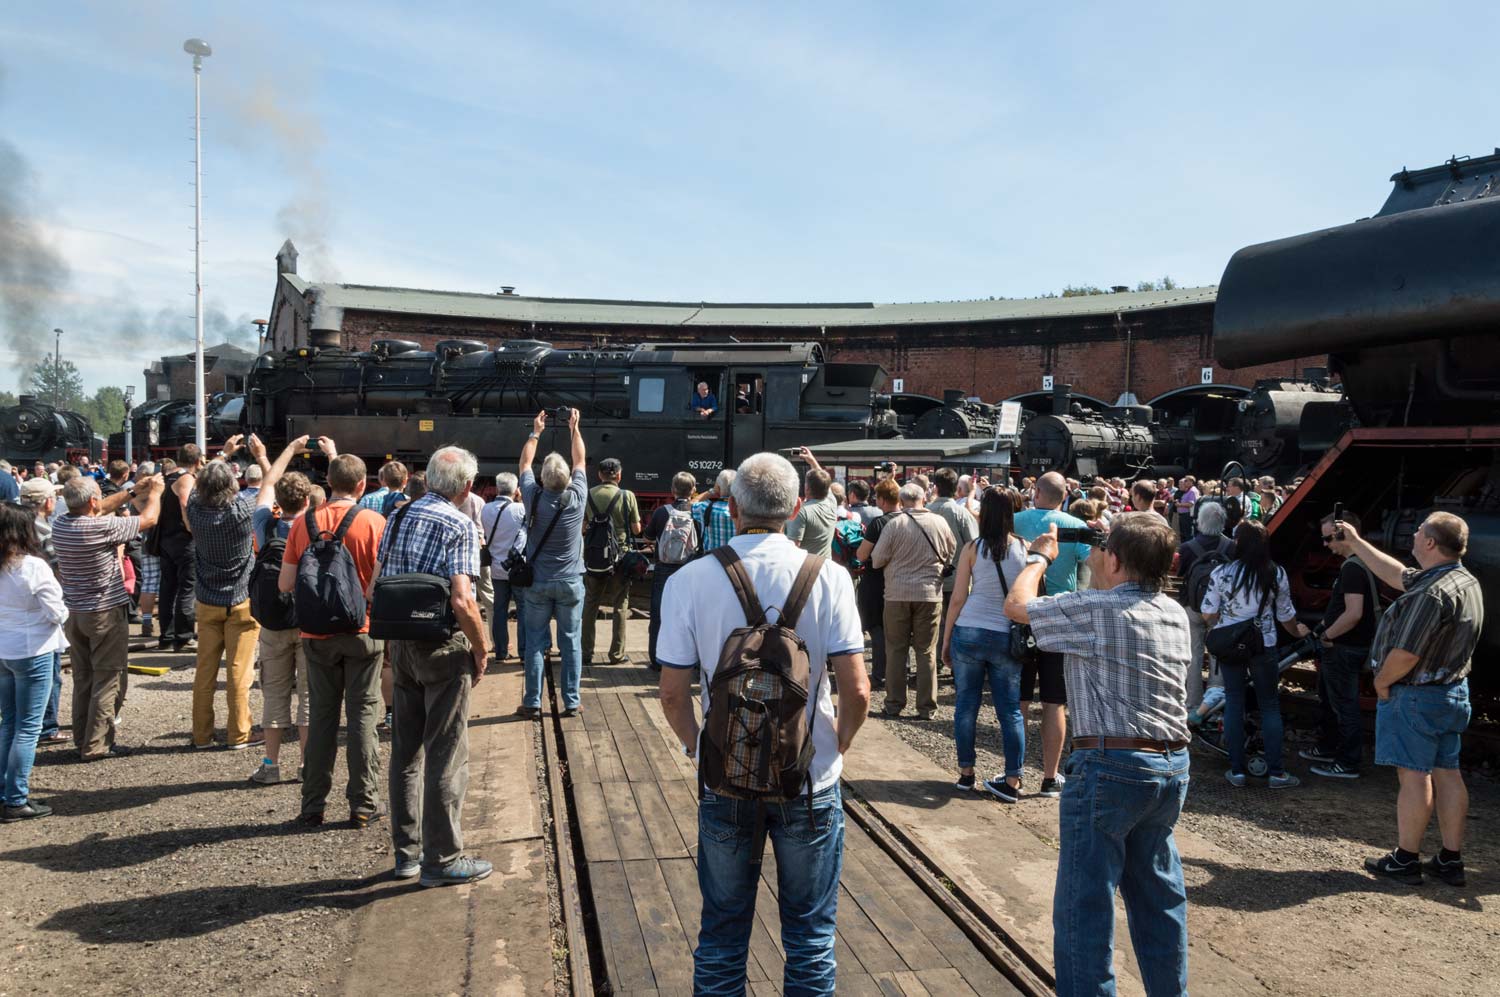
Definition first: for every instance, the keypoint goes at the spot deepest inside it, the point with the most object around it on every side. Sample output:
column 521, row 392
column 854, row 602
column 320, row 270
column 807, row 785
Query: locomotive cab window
column 652, row 394
column 707, row 398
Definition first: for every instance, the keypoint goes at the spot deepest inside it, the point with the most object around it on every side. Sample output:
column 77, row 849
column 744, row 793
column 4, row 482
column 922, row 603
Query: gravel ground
column 167, row 869
column 1275, row 879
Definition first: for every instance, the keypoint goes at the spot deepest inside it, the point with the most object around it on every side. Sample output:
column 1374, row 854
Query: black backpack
column 272, row 608
column 601, row 544
column 328, row 596
column 1195, row 585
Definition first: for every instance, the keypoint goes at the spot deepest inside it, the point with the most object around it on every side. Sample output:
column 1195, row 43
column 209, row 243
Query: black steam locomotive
column 637, row 403
column 31, row 431
column 1277, row 427
column 1406, row 304
column 160, row 426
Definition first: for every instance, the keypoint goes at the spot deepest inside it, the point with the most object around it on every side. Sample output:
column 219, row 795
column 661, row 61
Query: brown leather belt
column 1127, row 744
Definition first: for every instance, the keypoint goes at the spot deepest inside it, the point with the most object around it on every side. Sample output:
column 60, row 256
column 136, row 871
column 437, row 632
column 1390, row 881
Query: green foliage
column 1081, row 290
column 1165, row 284
column 7, row 399
column 106, row 410
column 62, row 382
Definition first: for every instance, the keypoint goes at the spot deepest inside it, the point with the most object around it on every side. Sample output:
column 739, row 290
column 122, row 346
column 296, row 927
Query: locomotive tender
column 400, row 402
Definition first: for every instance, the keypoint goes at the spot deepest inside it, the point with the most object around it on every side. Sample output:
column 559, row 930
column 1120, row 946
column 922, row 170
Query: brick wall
column 1154, row 352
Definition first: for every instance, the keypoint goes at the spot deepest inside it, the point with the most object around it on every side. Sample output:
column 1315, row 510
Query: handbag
column 410, row 605
column 1237, row 643
column 485, row 557
column 518, row 566
column 1023, row 646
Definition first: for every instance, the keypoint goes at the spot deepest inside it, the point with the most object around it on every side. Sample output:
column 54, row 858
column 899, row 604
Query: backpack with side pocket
column 848, row 534
column 757, row 731
column 678, row 543
column 272, row 608
column 601, row 544
column 328, row 596
column 1195, row 585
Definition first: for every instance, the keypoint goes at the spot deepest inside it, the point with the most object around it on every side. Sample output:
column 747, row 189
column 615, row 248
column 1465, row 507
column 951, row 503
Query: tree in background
column 7, row 399
column 48, row 377
column 106, row 410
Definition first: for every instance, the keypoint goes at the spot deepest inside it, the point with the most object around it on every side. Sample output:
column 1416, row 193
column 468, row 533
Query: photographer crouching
column 1126, row 648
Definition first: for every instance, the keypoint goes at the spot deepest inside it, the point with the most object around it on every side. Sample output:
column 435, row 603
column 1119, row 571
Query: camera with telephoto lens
column 1310, row 646
column 1081, row 535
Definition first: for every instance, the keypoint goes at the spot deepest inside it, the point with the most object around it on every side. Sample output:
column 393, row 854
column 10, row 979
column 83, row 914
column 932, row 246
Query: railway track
column 623, row 822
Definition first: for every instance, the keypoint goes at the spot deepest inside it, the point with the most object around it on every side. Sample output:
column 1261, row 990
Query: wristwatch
column 533, row 435
column 1035, row 558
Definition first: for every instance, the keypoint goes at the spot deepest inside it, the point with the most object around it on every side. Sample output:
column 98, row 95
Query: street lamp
column 198, row 48
column 57, row 368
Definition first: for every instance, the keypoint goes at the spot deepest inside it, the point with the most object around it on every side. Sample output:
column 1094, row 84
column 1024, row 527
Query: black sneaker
column 1387, row 866
column 1335, row 770
column 1052, row 788
column 1002, row 790
column 1317, row 755
column 965, row 783
column 529, row 712
column 31, row 809
column 310, row 819
column 364, row 820
column 572, row 711
column 1451, row 873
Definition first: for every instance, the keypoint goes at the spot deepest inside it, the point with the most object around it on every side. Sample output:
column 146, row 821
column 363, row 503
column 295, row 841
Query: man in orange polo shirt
column 341, row 666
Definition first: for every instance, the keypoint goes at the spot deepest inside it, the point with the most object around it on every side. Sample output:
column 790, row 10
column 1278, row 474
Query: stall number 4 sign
column 1046, row 382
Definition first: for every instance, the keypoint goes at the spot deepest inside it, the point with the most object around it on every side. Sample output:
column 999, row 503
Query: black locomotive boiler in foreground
column 398, row 401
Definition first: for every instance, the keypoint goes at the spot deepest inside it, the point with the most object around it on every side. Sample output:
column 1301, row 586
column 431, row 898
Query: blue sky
column 755, row 152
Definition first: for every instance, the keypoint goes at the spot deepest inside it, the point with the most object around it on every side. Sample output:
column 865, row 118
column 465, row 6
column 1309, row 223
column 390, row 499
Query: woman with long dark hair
column 976, row 643
column 1252, row 587
column 31, row 619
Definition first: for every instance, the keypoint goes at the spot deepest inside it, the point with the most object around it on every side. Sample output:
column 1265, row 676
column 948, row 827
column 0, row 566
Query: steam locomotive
column 1405, row 303
column 32, row 431
column 160, row 426
column 637, row 403
column 1277, row 427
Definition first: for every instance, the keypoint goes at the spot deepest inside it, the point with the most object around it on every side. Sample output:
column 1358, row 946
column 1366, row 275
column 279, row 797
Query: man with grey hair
column 1208, row 549
column 711, row 512
column 430, row 731
column 87, row 541
column 219, row 515
column 554, row 548
column 253, row 475
column 807, row 834
column 705, row 403
column 914, row 551
column 503, row 521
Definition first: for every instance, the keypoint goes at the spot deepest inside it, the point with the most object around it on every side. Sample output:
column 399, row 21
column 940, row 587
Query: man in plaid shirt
column 1125, row 647
column 432, row 536
column 712, row 513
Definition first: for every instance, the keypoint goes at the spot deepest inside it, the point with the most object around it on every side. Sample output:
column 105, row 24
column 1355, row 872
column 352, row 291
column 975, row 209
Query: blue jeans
column 1262, row 673
column 809, row 859
column 499, row 624
column 560, row 599
column 1116, row 818
column 49, row 715
column 25, row 684
column 980, row 654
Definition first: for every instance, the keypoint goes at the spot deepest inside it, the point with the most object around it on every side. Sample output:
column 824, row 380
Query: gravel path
column 1275, row 879
column 168, row 870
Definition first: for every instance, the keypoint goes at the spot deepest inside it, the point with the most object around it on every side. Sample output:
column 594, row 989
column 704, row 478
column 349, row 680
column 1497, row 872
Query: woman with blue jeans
column 31, row 618
column 1252, row 587
column 976, row 643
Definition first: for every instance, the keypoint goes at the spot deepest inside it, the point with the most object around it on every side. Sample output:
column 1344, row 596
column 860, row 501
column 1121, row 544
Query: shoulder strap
column 345, row 523
column 312, row 526
column 796, row 599
column 1374, row 585
column 924, row 534
column 396, row 519
column 739, row 579
column 496, row 524
column 619, row 494
column 548, row 531
column 271, row 524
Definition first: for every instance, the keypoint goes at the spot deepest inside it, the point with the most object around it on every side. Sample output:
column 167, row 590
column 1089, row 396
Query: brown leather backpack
column 757, row 733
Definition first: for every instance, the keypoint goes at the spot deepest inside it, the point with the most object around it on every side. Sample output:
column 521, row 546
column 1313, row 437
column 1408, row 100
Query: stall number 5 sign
column 1046, row 382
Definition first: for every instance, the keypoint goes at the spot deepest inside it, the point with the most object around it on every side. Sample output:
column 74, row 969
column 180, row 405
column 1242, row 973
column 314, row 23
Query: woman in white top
column 1252, row 587
column 976, row 643
column 31, row 618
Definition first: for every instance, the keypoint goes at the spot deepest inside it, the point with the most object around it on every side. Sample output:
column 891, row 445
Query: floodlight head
column 197, row 47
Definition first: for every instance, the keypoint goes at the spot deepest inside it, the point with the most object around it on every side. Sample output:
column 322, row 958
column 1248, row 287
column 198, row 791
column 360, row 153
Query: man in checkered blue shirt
column 1126, row 647
column 711, row 512
column 432, row 679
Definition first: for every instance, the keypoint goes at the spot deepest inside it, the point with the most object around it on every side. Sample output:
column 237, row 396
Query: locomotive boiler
column 32, row 430
column 1405, row 303
column 637, row 403
column 159, row 427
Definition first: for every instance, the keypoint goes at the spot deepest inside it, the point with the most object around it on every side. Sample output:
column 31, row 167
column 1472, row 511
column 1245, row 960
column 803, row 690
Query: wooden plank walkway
column 635, row 796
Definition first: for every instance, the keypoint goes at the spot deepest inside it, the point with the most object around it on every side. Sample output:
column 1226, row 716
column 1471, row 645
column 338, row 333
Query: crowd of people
column 1156, row 617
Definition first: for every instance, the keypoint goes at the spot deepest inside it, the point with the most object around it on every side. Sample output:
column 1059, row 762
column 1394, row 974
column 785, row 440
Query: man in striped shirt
column 1422, row 655
column 87, row 542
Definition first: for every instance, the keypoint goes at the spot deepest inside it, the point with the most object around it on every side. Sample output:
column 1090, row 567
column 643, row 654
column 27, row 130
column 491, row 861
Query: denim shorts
column 1420, row 726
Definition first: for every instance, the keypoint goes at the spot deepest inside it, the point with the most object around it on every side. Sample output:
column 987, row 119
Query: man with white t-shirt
column 700, row 611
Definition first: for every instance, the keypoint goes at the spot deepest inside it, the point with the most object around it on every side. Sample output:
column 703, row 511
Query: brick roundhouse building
column 1144, row 343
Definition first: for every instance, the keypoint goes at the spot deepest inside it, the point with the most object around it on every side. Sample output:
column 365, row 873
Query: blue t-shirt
column 711, row 400
column 561, row 557
column 1063, row 575
column 258, row 520
column 9, row 490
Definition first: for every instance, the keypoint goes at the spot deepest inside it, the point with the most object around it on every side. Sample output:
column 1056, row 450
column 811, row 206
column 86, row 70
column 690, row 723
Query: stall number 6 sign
column 1207, row 375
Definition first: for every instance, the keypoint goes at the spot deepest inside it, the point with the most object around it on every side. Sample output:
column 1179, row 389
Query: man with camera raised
column 1125, row 646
